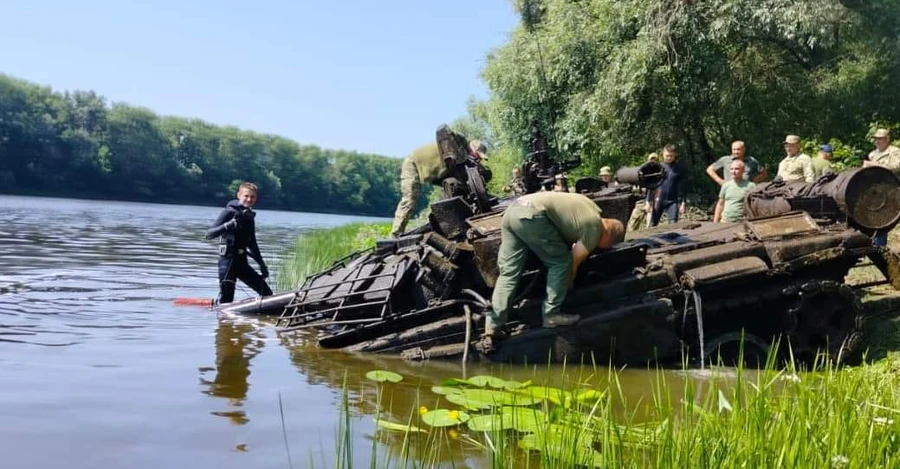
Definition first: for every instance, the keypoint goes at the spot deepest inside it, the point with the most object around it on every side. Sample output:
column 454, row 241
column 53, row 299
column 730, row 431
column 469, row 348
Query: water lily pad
column 521, row 419
column 589, row 395
column 490, row 381
column 397, row 427
column 491, row 422
column 525, row 419
column 477, row 399
column 554, row 395
column 384, row 375
column 444, row 390
column 445, row 417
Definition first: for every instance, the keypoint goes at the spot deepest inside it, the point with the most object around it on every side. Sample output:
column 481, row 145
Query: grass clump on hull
column 318, row 249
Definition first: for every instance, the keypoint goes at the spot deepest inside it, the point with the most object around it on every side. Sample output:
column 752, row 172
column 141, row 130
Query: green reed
column 318, row 249
column 777, row 417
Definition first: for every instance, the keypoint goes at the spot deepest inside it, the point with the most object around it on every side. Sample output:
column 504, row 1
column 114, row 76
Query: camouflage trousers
column 638, row 220
column 409, row 195
column 522, row 229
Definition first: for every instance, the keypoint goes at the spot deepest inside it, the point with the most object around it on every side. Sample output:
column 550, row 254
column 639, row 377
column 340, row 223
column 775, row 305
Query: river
column 100, row 369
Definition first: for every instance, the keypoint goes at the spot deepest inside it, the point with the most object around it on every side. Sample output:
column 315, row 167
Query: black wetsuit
column 238, row 240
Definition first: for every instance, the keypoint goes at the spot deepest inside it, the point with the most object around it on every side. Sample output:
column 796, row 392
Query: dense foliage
column 77, row 144
column 616, row 80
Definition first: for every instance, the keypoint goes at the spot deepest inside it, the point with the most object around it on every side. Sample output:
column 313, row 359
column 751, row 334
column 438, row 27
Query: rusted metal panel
column 723, row 272
column 784, row 225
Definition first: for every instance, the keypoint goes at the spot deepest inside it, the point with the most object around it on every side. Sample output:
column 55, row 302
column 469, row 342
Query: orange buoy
column 194, row 301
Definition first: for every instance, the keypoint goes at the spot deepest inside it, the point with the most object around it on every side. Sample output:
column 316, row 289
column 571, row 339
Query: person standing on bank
column 730, row 207
column 796, row 166
column 562, row 229
column 754, row 171
column 236, row 229
column 666, row 198
column 424, row 166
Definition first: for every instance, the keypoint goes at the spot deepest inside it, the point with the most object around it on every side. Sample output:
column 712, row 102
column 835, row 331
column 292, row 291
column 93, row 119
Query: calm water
column 99, row 369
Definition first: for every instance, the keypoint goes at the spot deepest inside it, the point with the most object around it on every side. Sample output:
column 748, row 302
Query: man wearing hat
column 796, row 166
column 424, row 166
column 884, row 154
column 822, row 161
column 606, row 175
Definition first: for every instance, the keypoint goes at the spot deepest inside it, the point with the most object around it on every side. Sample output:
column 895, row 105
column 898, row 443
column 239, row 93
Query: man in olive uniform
column 796, row 166
column 755, row 171
column 562, row 229
column 424, row 166
column 822, row 161
column 884, row 154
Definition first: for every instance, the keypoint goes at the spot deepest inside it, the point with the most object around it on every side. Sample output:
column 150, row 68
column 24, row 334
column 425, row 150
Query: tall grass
column 317, row 249
column 829, row 417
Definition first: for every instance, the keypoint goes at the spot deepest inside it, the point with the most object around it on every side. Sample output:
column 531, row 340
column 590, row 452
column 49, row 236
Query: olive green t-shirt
column 575, row 216
column 429, row 164
column 820, row 165
column 733, row 192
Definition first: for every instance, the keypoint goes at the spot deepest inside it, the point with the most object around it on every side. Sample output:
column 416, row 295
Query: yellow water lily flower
column 453, row 414
column 454, row 435
column 423, row 410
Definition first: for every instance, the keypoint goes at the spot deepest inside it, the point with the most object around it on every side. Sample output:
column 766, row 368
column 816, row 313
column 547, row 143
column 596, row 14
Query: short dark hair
column 249, row 186
column 670, row 148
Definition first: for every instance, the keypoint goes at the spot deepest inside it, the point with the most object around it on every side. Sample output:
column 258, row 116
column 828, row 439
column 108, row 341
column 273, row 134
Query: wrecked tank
column 690, row 289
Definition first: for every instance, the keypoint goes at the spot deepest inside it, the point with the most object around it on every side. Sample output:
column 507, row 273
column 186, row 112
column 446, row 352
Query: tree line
column 76, row 144
column 609, row 80
column 613, row 80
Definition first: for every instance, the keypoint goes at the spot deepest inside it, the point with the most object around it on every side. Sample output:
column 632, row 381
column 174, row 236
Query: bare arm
column 579, row 254
column 714, row 175
column 720, row 205
column 762, row 176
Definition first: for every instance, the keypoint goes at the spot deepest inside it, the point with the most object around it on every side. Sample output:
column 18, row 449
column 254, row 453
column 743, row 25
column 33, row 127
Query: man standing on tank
column 666, row 199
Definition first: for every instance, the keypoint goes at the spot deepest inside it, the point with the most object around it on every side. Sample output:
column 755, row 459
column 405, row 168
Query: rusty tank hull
column 695, row 289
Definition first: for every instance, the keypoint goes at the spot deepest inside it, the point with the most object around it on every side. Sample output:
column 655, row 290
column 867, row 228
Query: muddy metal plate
column 783, row 225
column 486, row 224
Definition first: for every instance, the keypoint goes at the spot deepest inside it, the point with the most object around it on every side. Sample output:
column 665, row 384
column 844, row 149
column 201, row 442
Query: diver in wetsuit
column 237, row 231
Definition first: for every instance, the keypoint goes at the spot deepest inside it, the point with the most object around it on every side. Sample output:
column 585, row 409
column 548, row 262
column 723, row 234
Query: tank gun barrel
column 649, row 175
column 870, row 197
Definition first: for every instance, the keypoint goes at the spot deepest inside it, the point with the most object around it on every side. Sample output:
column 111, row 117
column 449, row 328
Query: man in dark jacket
column 666, row 199
column 236, row 229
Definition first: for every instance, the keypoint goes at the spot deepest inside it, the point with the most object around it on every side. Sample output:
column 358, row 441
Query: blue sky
column 372, row 76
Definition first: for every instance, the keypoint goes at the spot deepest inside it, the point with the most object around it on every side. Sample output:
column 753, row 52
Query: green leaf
column 564, row 444
column 477, row 399
column 723, row 402
column 444, row 390
column 491, row 422
column 589, row 395
column 384, row 375
column 490, row 381
column 525, row 419
column 445, row 417
column 554, row 395
column 398, row 427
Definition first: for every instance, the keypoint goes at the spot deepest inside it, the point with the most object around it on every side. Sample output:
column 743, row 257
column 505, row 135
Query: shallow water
column 100, row 369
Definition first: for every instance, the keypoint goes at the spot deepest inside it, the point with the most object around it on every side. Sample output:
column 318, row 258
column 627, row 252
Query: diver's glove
column 230, row 225
column 264, row 271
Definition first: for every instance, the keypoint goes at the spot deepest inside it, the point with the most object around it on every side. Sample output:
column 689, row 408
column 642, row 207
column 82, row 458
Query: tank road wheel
column 824, row 317
column 476, row 187
column 733, row 347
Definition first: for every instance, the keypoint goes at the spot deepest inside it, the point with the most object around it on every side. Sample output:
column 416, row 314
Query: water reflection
column 631, row 391
column 236, row 342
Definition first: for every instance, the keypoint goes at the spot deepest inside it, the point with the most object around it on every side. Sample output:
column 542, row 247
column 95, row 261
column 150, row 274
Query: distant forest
column 76, row 144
